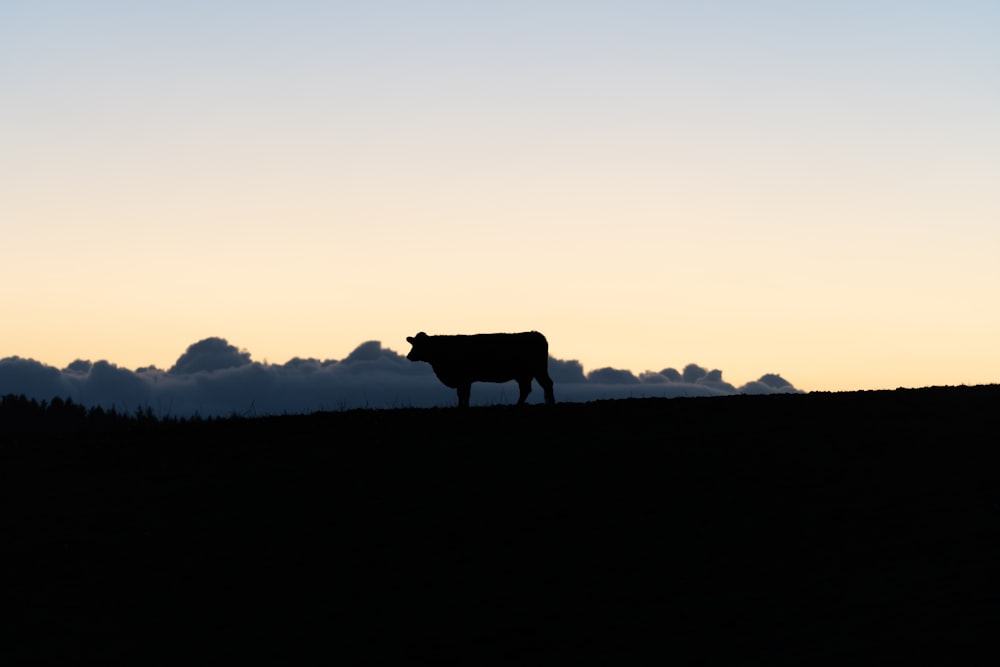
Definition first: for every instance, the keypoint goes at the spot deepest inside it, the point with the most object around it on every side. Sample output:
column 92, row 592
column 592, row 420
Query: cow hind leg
column 464, row 391
column 524, row 385
column 546, row 382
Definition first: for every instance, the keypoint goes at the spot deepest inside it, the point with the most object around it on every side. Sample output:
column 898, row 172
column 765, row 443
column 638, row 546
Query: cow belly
column 494, row 377
column 455, row 380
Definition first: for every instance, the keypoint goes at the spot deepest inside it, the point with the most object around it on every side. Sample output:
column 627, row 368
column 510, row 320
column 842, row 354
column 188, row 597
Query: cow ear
column 421, row 335
column 409, row 339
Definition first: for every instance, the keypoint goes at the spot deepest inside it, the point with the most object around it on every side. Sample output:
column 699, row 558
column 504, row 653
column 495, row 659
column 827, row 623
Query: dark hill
column 846, row 528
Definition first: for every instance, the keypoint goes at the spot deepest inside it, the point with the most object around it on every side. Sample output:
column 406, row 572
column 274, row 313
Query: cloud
column 211, row 354
column 769, row 384
column 32, row 378
column 611, row 376
column 214, row 378
column 566, row 372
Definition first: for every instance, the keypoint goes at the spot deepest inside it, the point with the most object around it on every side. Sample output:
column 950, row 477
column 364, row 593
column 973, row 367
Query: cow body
column 458, row 361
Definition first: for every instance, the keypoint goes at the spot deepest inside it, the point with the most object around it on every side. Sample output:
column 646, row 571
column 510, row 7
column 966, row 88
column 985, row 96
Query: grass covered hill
column 845, row 528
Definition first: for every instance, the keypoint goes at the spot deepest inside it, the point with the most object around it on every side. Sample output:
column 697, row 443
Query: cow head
column 421, row 345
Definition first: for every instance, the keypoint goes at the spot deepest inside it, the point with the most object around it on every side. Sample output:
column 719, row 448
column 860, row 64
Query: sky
column 801, row 189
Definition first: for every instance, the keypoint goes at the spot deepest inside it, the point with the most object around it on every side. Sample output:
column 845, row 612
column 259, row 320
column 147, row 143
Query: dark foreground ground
column 856, row 528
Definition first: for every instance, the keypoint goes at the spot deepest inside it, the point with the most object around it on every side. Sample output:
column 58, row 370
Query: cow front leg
column 464, row 391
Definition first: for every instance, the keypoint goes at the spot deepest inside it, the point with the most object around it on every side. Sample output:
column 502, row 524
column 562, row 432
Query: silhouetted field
column 854, row 528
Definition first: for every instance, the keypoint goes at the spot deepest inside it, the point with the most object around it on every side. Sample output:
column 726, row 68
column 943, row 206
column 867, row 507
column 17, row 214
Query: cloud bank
column 215, row 379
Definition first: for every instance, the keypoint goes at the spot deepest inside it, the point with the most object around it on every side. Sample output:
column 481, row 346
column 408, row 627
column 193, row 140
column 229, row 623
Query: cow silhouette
column 460, row 360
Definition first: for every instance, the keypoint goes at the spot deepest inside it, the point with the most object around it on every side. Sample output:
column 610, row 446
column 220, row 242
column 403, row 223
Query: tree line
column 18, row 410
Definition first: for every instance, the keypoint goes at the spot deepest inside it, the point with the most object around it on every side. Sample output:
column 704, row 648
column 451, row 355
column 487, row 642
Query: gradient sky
column 803, row 188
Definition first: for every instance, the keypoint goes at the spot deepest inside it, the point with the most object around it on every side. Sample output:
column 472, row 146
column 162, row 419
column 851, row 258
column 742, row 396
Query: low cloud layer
column 215, row 379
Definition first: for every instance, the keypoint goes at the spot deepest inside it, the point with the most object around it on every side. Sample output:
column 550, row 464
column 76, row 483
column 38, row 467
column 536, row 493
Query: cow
column 460, row 360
